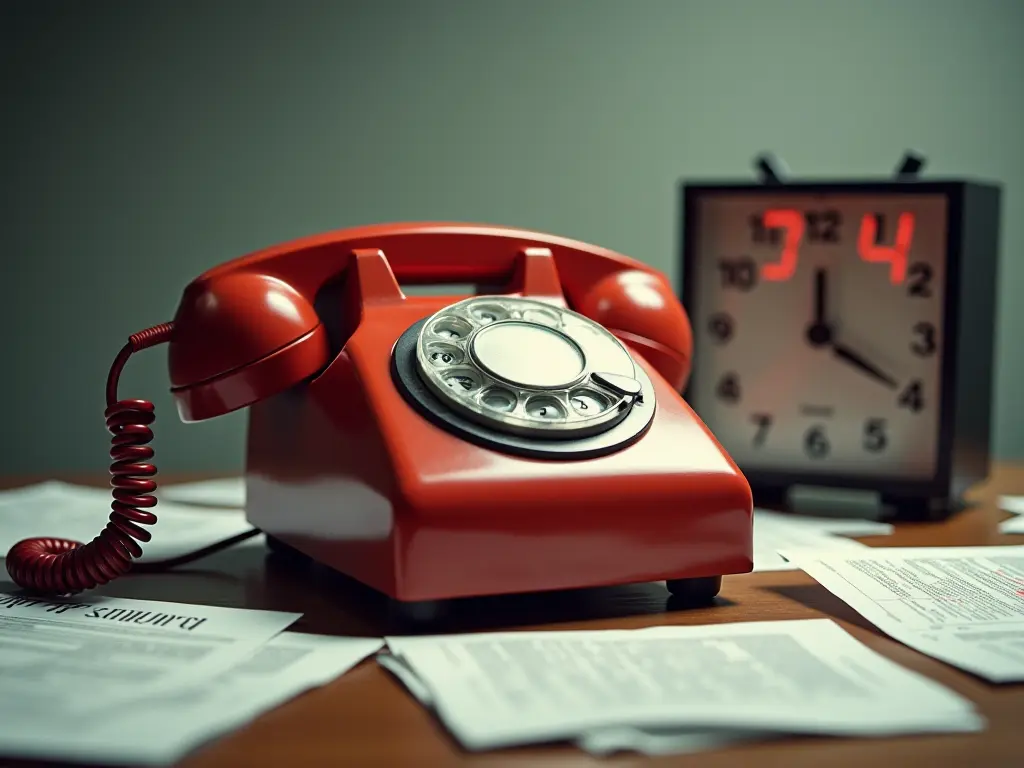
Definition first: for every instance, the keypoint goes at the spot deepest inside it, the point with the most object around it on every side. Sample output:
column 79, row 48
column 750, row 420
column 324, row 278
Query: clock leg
column 918, row 510
column 770, row 497
column 694, row 593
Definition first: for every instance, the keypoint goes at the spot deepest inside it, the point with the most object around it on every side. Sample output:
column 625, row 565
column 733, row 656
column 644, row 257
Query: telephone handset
column 391, row 434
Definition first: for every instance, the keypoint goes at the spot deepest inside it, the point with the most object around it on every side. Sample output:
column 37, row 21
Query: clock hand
column 820, row 295
column 847, row 355
column 819, row 332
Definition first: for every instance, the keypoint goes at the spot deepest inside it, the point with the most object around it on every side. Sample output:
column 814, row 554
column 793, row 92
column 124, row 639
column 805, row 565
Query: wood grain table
column 366, row 719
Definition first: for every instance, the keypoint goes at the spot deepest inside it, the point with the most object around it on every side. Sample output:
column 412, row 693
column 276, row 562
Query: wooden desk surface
column 366, row 719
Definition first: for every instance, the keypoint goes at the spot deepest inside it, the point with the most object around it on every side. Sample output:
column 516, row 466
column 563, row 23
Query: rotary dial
column 527, row 367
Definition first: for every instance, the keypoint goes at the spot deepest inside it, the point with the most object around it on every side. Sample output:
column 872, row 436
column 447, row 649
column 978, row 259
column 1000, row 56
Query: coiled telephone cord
column 61, row 566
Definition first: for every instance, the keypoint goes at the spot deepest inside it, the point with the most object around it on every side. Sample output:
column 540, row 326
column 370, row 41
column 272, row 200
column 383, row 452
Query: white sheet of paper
column 1014, row 504
column 606, row 740
column 1012, row 525
column 223, row 492
column 78, row 512
column 835, row 526
column 163, row 729
column 668, row 741
column 497, row 690
column 61, row 657
column 774, row 531
column 962, row 605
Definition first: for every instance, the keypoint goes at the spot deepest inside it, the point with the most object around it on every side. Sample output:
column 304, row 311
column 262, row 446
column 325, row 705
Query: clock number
column 759, row 233
column 820, row 227
column 911, row 397
column 896, row 254
column 720, row 326
column 875, row 438
column 816, row 443
column 919, row 275
column 764, row 423
column 924, row 345
column 823, row 226
column 879, row 228
column 728, row 388
column 793, row 223
column 738, row 273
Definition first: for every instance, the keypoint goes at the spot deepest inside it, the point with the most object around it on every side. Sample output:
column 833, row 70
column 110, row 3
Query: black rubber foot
column 694, row 592
column 416, row 613
column 287, row 552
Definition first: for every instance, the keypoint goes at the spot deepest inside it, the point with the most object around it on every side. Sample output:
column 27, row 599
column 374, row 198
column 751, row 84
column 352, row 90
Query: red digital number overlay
column 896, row 254
column 792, row 223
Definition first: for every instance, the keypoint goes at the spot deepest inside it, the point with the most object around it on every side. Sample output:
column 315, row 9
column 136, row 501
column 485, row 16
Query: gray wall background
column 143, row 142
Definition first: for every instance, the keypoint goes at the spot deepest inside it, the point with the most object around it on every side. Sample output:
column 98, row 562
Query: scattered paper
column 774, row 531
column 962, row 605
column 835, row 526
column 224, row 492
column 79, row 513
column 1013, row 525
column 1014, row 504
column 611, row 739
column 497, row 690
column 161, row 730
column 62, row 657
column 667, row 741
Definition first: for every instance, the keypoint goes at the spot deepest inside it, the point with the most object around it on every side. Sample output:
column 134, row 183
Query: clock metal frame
column 969, row 316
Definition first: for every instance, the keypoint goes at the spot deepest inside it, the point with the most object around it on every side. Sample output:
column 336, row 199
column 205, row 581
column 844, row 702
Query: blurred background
column 144, row 142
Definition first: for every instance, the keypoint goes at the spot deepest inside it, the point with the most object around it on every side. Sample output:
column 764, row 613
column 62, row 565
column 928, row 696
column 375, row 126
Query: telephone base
column 694, row 593
column 349, row 472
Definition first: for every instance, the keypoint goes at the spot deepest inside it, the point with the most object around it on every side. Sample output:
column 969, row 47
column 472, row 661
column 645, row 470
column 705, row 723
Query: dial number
column 821, row 226
column 924, row 342
column 728, row 388
column 739, row 273
column 919, row 277
column 875, row 438
column 764, row 423
column 816, row 442
column 721, row 327
column 912, row 397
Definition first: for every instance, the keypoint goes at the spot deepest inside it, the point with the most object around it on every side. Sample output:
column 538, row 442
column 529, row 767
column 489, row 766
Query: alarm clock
column 844, row 332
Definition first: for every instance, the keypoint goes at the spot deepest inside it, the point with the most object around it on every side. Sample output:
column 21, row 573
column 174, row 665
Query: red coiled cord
column 61, row 566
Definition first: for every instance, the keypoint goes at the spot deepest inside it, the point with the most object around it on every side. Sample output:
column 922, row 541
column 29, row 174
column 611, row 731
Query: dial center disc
column 528, row 355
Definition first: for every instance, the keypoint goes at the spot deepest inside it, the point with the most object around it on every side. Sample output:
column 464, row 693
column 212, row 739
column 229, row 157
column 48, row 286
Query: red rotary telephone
column 528, row 437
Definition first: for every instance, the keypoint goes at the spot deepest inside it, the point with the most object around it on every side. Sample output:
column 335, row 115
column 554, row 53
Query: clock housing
column 844, row 332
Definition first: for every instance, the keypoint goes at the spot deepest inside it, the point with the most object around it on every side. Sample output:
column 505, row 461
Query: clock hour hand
column 847, row 355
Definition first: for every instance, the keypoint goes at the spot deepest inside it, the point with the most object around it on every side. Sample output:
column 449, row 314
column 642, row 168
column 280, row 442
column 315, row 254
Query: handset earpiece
column 239, row 338
column 641, row 308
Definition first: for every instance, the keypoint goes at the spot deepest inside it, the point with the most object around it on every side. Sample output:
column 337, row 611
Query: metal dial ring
column 527, row 367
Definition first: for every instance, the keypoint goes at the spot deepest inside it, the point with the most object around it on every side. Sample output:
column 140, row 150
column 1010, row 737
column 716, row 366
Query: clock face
column 818, row 330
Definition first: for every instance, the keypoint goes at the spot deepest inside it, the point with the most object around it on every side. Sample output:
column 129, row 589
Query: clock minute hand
column 847, row 355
